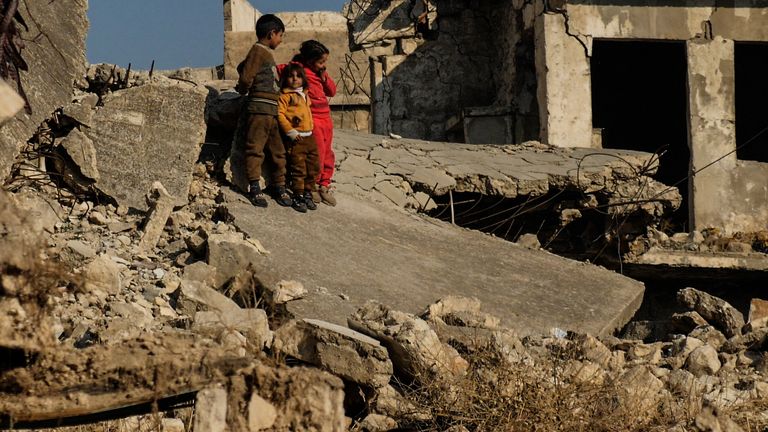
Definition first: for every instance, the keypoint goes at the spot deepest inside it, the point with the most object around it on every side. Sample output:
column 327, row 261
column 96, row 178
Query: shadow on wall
column 459, row 84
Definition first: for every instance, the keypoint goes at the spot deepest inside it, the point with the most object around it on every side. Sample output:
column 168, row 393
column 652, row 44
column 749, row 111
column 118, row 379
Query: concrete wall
column 351, row 106
column 725, row 192
column 428, row 83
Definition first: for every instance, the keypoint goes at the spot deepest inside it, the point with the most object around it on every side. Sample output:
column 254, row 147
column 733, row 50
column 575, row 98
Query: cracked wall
column 456, row 79
column 726, row 193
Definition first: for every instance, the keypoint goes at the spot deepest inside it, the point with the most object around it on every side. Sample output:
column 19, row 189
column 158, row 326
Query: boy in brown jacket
column 259, row 80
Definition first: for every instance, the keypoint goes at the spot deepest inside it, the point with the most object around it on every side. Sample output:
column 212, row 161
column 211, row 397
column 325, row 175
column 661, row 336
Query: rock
column 709, row 335
column 531, row 241
column 377, row 423
column 55, row 62
column 703, row 361
column 197, row 241
column 161, row 208
column 10, row 102
column 146, row 134
column 413, row 346
column 103, row 274
column 716, row 311
column 460, row 311
column 137, row 315
column 252, row 323
column 285, row 291
column 97, row 218
column 194, row 295
column 172, row 425
column 755, row 340
column 230, row 253
column 758, row 314
column 211, row 410
column 687, row 321
column 81, row 150
column 592, row 349
column 43, row 213
column 338, row 350
column 388, row 401
column 639, row 389
column 647, row 353
column 80, row 248
column 393, row 193
column 261, row 414
column 79, row 113
column 201, row 272
column 711, row 419
column 647, row 331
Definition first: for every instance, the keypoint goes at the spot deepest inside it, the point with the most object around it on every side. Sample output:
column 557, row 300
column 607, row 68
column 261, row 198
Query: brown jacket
column 293, row 112
column 259, row 80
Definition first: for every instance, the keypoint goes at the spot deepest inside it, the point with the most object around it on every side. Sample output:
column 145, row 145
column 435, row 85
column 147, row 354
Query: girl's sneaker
column 298, row 204
column 326, row 194
column 310, row 203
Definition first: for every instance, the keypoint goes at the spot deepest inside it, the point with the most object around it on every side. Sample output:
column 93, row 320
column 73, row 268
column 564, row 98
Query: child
column 295, row 122
column 259, row 80
column 313, row 55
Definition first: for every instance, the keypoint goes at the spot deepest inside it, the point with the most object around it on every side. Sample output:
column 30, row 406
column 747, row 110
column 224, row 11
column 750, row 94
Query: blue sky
column 174, row 33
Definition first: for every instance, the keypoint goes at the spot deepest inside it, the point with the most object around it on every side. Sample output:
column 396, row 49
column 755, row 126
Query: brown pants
column 303, row 164
column 261, row 131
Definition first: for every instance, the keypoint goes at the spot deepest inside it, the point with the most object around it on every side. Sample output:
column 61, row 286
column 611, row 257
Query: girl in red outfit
column 313, row 55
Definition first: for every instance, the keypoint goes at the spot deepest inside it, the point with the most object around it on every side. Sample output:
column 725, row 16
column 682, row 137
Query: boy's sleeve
column 250, row 66
column 329, row 87
column 282, row 108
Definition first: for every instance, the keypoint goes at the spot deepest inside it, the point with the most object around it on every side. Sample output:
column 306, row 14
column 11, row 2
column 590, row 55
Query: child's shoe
column 310, row 203
column 281, row 196
column 299, row 204
column 256, row 196
column 316, row 197
column 327, row 196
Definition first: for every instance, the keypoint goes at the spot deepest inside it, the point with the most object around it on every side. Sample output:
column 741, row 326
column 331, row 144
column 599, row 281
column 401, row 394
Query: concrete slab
column 360, row 251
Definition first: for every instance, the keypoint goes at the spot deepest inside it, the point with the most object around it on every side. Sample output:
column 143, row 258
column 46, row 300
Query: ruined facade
column 653, row 76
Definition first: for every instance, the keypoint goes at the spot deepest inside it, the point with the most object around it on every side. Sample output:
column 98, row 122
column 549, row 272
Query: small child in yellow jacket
column 296, row 125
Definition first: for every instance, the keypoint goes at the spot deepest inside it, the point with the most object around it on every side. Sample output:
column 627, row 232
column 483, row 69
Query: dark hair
column 310, row 51
column 268, row 23
column 290, row 68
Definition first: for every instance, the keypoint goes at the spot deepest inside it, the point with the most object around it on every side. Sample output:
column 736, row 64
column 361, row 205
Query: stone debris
column 103, row 274
column 211, row 410
column 338, row 350
column 716, row 311
column 229, row 253
column 10, row 102
column 414, row 347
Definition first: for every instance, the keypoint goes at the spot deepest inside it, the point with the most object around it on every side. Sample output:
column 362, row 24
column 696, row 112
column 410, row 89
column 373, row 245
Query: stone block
column 146, row 134
column 703, row 361
column 336, row 349
column 715, row 310
column 103, row 274
column 230, row 253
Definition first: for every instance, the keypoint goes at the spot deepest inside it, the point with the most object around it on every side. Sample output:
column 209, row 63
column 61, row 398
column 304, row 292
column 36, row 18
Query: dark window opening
column 751, row 62
column 640, row 102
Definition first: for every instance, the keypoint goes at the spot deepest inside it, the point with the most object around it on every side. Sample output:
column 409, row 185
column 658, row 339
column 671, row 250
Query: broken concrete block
column 261, row 414
column 195, row 295
column 252, row 323
column 414, row 347
column 686, row 322
column 421, row 201
column 162, row 206
column 230, row 253
column 394, row 193
column 339, row 350
column 81, row 248
column 211, row 410
column 716, row 311
column 83, row 153
column 146, row 134
column 55, row 62
column 103, row 274
column 80, row 113
column 639, row 388
column 196, row 242
column 377, row 20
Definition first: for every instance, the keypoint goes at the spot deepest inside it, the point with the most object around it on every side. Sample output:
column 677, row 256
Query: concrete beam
column 712, row 129
column 564, row 86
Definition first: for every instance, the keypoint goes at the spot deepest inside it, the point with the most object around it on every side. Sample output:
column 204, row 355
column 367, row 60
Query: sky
column 174, row 33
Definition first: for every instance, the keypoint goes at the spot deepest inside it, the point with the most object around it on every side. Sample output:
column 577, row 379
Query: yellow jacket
column 293, row 112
